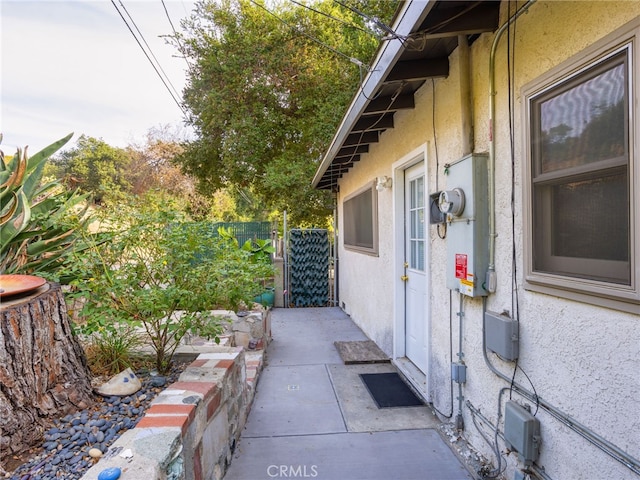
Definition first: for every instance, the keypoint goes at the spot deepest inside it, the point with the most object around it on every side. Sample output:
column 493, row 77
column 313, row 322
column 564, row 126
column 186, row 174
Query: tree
column 267, row 88
column 94, row 167
column 39, row 356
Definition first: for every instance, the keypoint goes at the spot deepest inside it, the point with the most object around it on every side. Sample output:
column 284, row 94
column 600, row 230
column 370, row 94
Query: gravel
column 66, row 445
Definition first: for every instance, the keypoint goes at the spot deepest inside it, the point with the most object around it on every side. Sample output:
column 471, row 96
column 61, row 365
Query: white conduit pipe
column 592, row 437
column 490, row 282
column 607, row 447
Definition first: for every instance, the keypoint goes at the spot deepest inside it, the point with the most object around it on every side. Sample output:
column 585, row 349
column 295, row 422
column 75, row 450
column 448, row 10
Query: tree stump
column 43, row 369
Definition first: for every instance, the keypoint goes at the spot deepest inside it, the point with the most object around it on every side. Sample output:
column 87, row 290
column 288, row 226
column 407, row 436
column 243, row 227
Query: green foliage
column 266, row 98
column 39, row 222
column 166, row 275
column 112, row 350
column 95, row 167
column 259, row 250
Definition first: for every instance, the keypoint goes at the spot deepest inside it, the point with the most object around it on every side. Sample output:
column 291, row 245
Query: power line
column 373, row 20
column 149, row 48
column 147, row 55
column 320, row 42
column 339, row 20
column 177, row 38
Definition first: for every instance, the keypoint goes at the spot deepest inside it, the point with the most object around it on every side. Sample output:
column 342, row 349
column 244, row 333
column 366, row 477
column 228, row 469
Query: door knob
column 404, row 278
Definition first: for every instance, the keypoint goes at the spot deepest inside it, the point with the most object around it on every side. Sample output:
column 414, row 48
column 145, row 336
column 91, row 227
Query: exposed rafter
column 350, row 151
column 361, row 138
column 422, row 55
column 419, row 70
column 388, row 104
column 369, row 123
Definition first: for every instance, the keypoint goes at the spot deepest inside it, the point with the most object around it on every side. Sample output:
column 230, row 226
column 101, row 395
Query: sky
column 74, row 66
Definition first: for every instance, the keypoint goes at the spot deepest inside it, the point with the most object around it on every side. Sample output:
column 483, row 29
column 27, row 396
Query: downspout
column 285, row 254
column 600, row 442
column 336, row 296
column 491, row 280
column 465, row 96
column 459, row 418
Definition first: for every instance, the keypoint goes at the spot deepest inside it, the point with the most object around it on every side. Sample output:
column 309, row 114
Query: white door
column 415, row 265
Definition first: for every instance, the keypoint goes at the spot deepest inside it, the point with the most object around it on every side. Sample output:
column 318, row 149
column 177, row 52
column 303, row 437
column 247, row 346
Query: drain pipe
column 491, row 280
column 604, row 445
column 465, row 96
column 459, row 369
column 285, row 254
column 336, row 295
column 600, row 442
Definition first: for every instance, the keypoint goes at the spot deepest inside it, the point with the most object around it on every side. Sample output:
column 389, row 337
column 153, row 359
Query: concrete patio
column 313, row 417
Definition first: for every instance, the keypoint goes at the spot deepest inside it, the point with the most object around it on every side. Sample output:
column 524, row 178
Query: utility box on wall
column 465, row 203
column 521, row 432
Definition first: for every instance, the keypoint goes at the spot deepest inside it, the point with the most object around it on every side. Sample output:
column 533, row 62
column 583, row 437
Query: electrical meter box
column 466, row 206
column 522, row 432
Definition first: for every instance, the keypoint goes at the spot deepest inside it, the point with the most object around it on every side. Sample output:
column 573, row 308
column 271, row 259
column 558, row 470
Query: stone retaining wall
column 191, row 428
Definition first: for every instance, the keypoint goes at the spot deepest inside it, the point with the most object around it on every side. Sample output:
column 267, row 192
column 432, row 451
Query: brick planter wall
column 191, row 428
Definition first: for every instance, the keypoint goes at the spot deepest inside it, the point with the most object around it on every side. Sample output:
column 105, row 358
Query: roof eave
column 410, row 16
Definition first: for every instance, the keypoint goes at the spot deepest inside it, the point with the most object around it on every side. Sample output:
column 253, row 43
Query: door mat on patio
column 360, row 352
column 389, row 390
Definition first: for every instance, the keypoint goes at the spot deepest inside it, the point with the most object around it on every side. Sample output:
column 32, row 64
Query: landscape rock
column 124, row 383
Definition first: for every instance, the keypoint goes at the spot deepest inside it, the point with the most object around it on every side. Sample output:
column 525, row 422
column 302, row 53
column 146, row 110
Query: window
column 581, row 214
column 416, row 218
column 360, row 220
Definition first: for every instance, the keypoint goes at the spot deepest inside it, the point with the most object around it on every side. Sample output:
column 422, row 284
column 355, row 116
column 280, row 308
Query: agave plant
column 38, row 222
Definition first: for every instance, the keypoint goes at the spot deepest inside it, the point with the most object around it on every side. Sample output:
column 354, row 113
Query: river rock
column 124, row 383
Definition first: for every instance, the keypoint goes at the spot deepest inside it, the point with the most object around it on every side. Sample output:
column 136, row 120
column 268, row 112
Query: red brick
column 198, row 363
column 213, row 405
column 197, row 464
column 172, row 409
column 160, row 421
column 225, row 364
column 207, row 389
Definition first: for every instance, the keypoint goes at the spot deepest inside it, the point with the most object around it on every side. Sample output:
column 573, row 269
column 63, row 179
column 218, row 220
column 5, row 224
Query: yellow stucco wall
column 580, row 357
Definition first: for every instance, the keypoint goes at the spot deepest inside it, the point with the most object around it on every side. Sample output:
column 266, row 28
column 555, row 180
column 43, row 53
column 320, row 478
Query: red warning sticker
column 461, row 266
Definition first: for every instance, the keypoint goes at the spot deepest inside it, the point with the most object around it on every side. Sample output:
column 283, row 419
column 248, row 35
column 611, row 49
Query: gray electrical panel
column 501, row 335
column 465, row 203
column 522, row 432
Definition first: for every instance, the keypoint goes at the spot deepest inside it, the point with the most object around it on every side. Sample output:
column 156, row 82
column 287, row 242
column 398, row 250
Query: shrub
column 158, row 272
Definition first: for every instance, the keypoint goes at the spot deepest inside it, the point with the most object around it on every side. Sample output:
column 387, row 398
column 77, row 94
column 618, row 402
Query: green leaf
column 14, row 226
column 36, row 164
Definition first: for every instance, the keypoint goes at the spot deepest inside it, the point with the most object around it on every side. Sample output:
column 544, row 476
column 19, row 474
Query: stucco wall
column 582, row 359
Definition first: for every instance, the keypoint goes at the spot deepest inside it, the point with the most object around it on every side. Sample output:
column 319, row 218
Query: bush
column 156, row 271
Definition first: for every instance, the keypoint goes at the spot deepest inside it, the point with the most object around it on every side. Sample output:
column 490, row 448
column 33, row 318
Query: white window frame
column 374, row 221
column 610, row 295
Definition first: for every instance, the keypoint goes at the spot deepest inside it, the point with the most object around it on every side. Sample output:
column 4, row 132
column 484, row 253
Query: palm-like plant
column 38, row 222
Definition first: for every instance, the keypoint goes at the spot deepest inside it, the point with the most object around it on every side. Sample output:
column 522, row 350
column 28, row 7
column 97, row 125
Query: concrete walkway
column 313, row 417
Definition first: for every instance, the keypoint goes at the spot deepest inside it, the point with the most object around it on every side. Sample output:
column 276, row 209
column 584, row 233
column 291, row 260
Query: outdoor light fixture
column 383, row 183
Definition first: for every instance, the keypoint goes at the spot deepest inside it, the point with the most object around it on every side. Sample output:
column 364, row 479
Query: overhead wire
column 149, row 48
column 162, row 79
column 177, row 37
column 310, row 37
column 339, row 20
column 373, row 20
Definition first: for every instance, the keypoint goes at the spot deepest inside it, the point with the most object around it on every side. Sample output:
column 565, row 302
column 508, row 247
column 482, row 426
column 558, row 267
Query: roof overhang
column 427, row 32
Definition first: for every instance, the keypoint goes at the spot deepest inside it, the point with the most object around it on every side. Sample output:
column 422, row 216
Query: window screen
column 361, row 221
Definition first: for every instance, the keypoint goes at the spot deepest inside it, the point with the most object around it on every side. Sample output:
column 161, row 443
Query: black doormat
column 389, row 390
